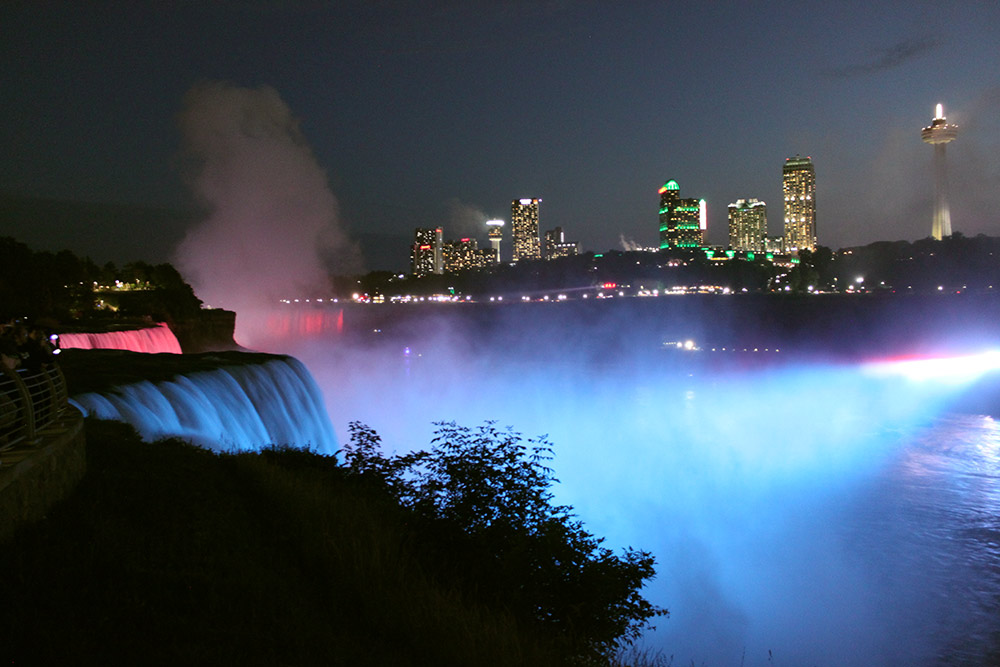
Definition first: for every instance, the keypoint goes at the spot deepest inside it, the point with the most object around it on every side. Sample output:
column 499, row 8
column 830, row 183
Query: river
column 806, row 505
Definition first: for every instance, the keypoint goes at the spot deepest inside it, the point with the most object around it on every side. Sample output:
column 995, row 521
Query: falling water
column 232, row 408
column 153, row 340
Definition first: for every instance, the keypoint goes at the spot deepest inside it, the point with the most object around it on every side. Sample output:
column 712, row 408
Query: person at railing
column 36, row 349
column 10, row 356
column 25, row 348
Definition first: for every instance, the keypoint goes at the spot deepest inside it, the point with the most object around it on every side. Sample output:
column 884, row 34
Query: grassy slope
column 168, row 554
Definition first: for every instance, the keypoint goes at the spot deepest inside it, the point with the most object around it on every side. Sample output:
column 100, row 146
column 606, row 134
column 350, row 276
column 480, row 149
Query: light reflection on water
column 933, row 517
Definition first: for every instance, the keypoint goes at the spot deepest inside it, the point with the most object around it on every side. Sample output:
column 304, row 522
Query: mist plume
column 465, row 220
column 628, row 245
column 271, row 223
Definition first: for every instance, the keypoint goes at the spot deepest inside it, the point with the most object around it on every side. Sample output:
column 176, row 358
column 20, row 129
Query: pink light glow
column 152, row 340
column 962, row 368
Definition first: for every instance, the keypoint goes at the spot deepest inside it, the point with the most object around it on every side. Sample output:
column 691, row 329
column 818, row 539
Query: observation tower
column 938, row 134
column 495, row 234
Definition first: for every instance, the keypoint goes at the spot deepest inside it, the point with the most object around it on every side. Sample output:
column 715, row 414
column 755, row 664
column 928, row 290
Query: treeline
column 954, row 263
column 661, row 270
column 957, row 262
column 62, row 287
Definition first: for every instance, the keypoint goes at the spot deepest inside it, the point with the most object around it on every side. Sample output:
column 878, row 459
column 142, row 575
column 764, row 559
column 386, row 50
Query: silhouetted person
column 34, row 348
column 10, row 356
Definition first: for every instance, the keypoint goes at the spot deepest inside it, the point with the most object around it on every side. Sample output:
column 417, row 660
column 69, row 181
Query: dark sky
column 432, row 113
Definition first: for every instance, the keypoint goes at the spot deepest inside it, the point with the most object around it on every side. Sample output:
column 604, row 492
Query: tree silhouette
column 483, row 499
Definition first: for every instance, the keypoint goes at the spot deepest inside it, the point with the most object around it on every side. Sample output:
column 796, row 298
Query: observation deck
column 42, row 454
column 939, row 131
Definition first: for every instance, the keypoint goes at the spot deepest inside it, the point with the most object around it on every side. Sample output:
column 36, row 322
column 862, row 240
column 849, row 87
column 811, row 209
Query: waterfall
column 153, row 339
column 233, row 408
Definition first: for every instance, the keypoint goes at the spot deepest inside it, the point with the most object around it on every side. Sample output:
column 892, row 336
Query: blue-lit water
column 803, row 510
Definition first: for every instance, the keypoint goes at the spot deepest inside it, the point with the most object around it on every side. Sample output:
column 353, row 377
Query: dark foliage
column 61, row 286
column 168, row 554
column 956, row 262
column 576, row 274
column 483, row 499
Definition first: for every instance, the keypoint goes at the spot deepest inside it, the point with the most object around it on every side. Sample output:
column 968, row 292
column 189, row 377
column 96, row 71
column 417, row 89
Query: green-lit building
column 682, row 221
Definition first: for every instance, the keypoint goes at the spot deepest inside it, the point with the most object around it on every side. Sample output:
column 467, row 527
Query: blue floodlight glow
column 782, row 502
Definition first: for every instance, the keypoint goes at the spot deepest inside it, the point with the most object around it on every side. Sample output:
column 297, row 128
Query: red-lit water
column 151, row 339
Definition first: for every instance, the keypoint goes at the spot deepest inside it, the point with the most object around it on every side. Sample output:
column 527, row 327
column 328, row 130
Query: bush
column 482, row 499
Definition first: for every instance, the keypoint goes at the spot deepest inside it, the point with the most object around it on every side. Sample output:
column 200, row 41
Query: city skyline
column 421, row 116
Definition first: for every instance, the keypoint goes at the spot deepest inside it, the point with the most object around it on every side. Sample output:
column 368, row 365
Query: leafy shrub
column 482, row 499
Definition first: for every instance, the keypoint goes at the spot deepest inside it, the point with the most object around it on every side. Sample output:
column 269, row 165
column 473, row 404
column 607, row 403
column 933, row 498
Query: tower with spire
column 938, row 134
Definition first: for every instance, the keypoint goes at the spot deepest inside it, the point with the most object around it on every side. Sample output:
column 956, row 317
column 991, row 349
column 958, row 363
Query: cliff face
column 211, row 330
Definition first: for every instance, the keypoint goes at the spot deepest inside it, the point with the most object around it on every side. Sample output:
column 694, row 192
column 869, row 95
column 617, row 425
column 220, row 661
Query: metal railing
column 30, row 400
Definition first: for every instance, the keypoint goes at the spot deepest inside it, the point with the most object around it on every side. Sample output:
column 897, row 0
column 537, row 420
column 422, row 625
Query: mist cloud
column 464, row 220
column 886, row 58
column 271, row 225
column 628, row 244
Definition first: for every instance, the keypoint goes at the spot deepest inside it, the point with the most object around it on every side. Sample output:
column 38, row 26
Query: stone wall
column 34, row 477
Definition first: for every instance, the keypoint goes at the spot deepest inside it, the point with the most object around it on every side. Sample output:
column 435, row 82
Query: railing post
column 57, row 388
column 37, row 399
column 27, row 409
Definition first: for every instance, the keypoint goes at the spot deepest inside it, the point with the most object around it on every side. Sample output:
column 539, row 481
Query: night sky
column 441, row 113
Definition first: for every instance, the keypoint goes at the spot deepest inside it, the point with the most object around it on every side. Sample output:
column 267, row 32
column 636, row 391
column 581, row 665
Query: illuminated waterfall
column 153, row 339
column 234, row 408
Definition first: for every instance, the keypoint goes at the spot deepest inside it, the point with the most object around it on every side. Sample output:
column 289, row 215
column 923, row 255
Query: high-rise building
column 524, row 224
column 426, row 252
column 557, row 246
column 682, row 221
column 939, row 133
column 460, row 255
column 495, row 234
column 748, row 225
column 799, row 187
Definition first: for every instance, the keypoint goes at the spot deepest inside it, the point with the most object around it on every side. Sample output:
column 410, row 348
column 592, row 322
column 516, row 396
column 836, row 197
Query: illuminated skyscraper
column 426, row 252
column 495, row 233
column 939, row 133
column 799, row 186
column 557, row 246
column 748, row 225
column 461, row 254
column 524, row 224
column 682, row 221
